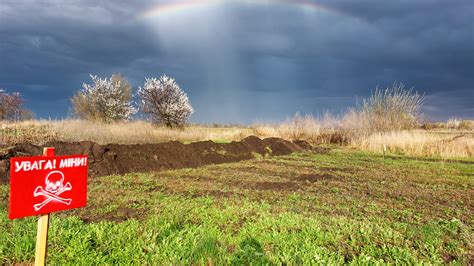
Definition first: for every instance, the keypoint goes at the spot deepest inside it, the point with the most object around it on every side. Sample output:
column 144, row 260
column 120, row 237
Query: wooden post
column 42, row 240
column 43, row 226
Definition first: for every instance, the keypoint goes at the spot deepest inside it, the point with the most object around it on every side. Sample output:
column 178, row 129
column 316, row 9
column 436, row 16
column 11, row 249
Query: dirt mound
column 120, row 159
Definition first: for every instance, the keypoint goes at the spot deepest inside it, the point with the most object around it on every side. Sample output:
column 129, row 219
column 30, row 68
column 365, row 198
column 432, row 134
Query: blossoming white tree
column 106, row 99
column 164, row 101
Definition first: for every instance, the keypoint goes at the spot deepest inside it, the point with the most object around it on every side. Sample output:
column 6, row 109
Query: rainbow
column 172, row 6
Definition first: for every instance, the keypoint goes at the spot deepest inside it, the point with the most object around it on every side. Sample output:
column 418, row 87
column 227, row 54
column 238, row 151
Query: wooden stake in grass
column 43, row 226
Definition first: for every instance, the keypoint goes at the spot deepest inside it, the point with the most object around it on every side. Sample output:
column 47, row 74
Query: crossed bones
column 39, row 191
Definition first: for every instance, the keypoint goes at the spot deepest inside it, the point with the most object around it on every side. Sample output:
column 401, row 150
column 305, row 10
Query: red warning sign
column 40, row 185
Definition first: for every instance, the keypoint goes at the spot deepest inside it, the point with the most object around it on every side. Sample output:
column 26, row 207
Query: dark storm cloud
column 242, row 62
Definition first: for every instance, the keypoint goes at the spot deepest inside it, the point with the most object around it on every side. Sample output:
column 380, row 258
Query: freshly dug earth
column 120, row 159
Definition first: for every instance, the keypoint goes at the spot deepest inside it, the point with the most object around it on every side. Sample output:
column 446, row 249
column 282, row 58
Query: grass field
column 344, row 206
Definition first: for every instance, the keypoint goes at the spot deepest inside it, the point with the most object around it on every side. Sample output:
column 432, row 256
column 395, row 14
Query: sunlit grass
column 340, row 207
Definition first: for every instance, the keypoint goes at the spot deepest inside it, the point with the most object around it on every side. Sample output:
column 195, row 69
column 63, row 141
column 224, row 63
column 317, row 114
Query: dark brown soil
column 314, row 177
column 120, row 159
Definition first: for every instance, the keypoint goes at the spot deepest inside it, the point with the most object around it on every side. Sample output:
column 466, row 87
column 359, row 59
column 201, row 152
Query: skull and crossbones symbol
column 54, row 186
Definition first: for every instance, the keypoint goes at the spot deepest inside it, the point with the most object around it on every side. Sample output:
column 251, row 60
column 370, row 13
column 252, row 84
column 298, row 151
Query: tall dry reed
column 419, row 143
column 136, row 132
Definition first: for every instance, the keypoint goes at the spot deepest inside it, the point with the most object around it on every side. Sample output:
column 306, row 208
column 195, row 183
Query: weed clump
column 390, row 110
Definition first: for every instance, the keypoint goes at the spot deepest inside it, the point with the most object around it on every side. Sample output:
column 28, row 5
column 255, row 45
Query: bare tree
column 164, row 101
column 11, row 107
column 106, row 99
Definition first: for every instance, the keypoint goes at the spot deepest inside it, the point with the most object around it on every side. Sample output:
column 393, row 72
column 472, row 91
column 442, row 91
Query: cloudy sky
column 243, row 61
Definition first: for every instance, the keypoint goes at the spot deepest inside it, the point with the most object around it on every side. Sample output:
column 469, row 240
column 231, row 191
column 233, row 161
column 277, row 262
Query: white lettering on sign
column 35, row 165
column 45, row 164
column 73, row 162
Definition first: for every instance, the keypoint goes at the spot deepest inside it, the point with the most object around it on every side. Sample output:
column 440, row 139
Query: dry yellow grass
column 136, row 132
column 42, row 131
column 447, row 144
column 420, row 143
column 317, row 131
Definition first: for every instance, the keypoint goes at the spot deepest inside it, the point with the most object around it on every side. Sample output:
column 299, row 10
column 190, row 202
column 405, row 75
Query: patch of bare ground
column 316, row 177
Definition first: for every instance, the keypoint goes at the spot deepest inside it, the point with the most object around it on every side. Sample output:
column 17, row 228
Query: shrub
column 466, row 125
column 327, row 130
column 432, row 125
column 458, row 124
column 453, row 123
column 392, row 109
column 104, row 100
column 299, row 128
column 164, row 101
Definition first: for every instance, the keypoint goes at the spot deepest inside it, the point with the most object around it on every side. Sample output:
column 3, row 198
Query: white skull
column 54, row 181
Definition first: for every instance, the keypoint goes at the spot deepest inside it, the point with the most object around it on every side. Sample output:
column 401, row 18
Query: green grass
column 341, row 207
